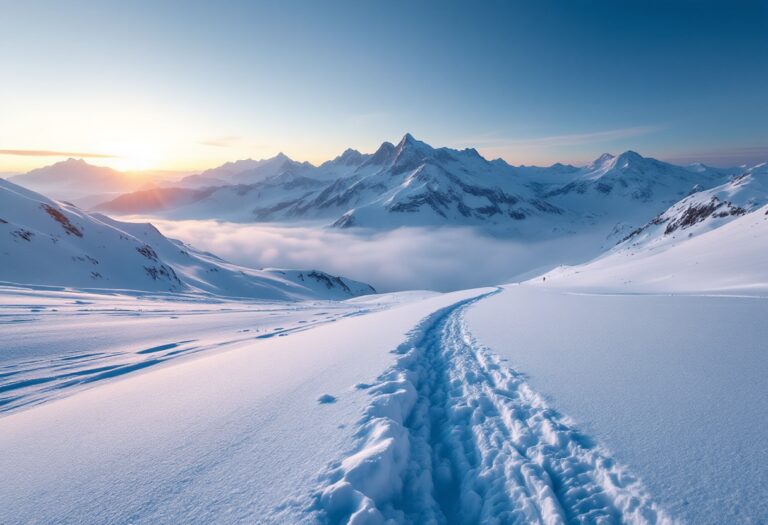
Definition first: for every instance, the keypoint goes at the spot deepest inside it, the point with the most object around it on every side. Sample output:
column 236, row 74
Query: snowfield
column 56, row 343
column 393, row 412
column 227, row 436
column 672, row 385
column 415, row 407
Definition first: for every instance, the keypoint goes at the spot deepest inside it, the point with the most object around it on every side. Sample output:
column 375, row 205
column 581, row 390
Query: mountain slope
column 710, row 241
column 44, row 242
column 705, row 210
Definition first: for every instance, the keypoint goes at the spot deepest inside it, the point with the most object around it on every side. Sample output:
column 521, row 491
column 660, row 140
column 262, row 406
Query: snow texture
column 453, row 436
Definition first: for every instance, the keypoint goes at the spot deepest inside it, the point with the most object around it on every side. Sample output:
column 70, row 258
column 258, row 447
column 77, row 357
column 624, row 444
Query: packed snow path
column 454, row 436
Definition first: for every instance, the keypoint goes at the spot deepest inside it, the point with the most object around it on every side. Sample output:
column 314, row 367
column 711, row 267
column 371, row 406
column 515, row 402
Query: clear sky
column 188, row 85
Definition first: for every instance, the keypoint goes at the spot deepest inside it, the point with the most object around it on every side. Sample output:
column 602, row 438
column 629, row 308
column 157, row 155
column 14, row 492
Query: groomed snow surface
column 396, row 408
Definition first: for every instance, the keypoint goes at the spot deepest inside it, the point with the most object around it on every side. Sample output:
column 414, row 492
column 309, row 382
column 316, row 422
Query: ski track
column 452, row 435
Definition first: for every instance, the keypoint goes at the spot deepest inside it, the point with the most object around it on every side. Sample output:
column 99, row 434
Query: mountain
column 705, row 210
column 709, row 241
column 630, row 176
column 45, row 242
column 585, row 210
column 76, row 180
column 247, row 171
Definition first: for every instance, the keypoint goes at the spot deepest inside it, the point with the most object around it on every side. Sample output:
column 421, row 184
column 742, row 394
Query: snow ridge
column 454, row 436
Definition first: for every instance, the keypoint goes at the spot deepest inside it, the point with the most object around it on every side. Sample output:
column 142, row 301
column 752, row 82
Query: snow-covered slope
column 706, row 210
column 393, row 416
column 710, row 241
column 44, row 242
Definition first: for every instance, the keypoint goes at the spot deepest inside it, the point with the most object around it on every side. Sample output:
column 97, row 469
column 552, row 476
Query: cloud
column 408, row 258
column 49, row 153
column 571, row 139
column 575, row 139
column 221, row 142
column 749, row 155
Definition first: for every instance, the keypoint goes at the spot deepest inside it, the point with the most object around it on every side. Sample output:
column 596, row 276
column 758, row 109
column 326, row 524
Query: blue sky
column 186, row 85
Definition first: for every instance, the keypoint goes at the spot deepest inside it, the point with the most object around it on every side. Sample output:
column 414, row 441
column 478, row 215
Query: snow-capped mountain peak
column 409, row 153
column 245, row 171
column 624, row 161
column 628, row 158
column 70, row 171
column 383, row 155
column 601, row 160
column 350, row 157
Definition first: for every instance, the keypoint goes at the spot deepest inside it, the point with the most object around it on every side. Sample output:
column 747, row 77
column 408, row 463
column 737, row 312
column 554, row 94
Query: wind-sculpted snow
column 44, row 357
column 452, row 435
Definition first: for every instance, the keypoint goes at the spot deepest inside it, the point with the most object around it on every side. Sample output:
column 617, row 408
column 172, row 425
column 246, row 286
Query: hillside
column 710, row 241
column 49, row 243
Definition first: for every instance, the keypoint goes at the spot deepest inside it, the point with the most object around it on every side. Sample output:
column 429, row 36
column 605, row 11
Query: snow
column 730, row 259
column 360, row 416
column 452, row 435
column 246, row 171
column 408, row 407
column 225, row 436
column 674, row 386
column 413, row 185
column 56, row 343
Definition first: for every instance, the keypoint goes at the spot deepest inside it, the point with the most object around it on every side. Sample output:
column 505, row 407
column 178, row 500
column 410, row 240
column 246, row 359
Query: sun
column 134, row 157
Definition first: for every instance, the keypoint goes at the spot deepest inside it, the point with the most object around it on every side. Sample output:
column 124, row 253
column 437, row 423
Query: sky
column 167, row 85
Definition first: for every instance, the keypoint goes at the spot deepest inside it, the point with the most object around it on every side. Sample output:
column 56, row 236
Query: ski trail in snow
column 454, row 436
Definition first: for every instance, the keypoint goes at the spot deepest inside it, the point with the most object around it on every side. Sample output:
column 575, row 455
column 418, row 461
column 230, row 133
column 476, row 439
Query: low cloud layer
column 407, row 258
column 49, row 153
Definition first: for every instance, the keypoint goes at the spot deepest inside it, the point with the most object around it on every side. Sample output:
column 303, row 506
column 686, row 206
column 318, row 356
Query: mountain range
column 413, row 184
column 616, row 204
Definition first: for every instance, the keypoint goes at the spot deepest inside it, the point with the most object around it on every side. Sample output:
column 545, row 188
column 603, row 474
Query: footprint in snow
column 326, row 399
